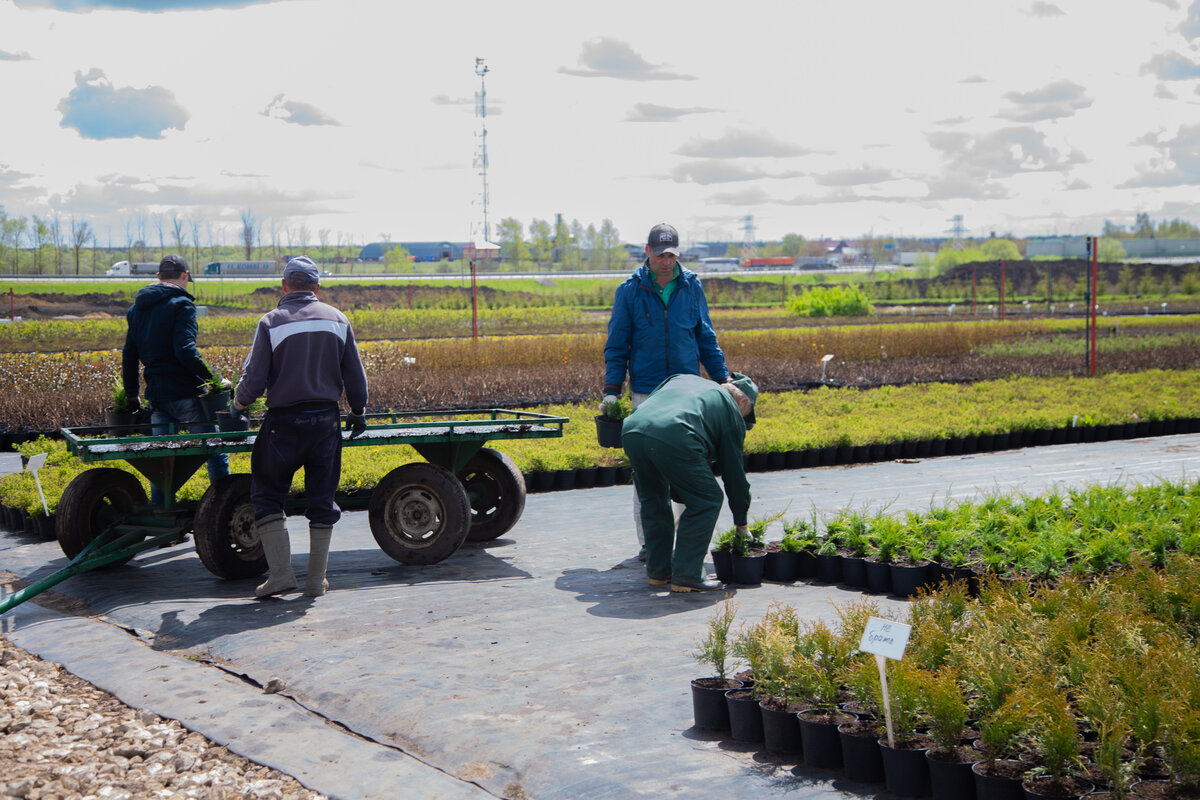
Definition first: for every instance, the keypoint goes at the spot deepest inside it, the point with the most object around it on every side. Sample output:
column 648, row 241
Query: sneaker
column 642, row 555
column 678, row 585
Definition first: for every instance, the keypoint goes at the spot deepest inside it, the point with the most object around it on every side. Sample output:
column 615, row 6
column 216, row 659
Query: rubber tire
column 499, row 494
column 93, row 500
column 419, row 514
column 226, row 539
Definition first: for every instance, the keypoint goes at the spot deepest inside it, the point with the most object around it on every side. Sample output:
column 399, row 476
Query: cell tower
column 748, row 230
column 956, row 230
column 481, row 156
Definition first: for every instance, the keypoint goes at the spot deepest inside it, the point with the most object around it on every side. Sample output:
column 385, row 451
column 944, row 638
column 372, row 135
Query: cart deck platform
column 420, row 512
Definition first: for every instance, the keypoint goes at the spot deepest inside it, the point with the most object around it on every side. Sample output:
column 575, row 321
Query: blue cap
column 301, row 269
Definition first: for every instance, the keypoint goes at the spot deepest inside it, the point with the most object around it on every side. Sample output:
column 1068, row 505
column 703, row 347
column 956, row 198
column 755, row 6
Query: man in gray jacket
column 303, row 357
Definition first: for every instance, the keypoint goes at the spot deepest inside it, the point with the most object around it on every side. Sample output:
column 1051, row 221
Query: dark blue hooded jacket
column 162, row 336
column 652, row 341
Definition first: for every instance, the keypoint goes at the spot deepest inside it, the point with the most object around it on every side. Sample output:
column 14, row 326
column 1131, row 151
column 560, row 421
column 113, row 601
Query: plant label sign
column 884, row 637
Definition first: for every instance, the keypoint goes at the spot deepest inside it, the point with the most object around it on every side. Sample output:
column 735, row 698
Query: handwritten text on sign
column 884, row 637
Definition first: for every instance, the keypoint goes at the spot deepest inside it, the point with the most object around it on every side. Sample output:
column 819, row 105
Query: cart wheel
column 496, row 490
column 94, row 500
column 226, row 540
column 419, row 513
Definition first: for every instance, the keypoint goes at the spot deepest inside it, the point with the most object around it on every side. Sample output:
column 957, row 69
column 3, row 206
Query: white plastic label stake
column 35, row 463
column 885, row 639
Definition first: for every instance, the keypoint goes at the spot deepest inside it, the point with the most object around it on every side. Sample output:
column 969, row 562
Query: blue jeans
column 188, row 414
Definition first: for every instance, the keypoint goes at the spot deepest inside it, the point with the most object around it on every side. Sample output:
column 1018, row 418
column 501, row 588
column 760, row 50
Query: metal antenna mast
column 748, row 237
column 481, row 157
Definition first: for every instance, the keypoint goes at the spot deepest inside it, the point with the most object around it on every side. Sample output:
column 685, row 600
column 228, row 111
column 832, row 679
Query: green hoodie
column 686, row 411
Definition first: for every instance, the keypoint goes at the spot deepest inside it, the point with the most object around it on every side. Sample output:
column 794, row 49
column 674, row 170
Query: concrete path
column 540, row 665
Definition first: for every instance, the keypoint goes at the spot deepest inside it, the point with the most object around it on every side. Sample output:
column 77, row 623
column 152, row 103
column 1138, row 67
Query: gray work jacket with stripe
column 303, row 354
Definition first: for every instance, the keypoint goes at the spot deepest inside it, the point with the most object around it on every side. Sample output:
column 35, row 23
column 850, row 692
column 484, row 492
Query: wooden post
column 1002, row 290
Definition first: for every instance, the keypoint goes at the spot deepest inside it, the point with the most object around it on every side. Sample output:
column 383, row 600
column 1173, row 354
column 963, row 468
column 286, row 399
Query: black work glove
column 356, row 424
column 133, row 404
column 239, row 414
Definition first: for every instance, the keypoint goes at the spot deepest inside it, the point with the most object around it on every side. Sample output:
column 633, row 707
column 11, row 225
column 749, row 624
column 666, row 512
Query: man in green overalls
column 671, row 439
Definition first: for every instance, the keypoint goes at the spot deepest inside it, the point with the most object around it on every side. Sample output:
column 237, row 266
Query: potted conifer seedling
column 610, row 420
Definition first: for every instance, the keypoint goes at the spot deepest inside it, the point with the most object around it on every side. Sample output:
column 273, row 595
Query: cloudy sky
column 1034, row 117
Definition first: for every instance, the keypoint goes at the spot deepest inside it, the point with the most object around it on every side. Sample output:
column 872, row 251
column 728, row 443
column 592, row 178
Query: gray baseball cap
column 750, row 389
column 301, row 269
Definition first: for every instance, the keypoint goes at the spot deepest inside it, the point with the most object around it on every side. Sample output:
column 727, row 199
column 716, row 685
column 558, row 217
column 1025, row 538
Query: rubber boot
column 315, row 584
column 272, row 532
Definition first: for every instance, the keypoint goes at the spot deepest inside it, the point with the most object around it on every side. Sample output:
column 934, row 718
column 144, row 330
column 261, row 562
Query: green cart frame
column 420, row 512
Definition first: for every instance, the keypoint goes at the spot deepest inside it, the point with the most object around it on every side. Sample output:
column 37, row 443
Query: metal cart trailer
column 420, row 512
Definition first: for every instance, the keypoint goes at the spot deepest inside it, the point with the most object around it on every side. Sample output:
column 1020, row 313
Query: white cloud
column 611, row 58
column 296, row 112
column 1052, row 101
column 741, row 144
column 98, row 110
column 1172, row 67
column 651, row 112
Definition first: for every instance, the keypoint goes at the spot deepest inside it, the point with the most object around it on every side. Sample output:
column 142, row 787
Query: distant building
column 420, row 251
column 1145, row 249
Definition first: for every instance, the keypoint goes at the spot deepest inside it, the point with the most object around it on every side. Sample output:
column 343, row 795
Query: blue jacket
column 652, row 342
column 162, row 336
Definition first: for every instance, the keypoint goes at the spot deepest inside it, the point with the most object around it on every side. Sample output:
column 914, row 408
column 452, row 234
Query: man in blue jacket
column 659, row 327
column 162, row 336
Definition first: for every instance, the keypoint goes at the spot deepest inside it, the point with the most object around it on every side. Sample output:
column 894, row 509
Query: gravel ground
column 62, row 738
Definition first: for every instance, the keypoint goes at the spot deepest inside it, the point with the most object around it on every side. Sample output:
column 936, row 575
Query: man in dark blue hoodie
column 162, row 337
column 659, row 327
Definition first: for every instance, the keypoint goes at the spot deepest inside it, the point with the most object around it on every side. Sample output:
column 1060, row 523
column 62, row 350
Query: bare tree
column 162, row 242
column 194, row 224
column 323, row 236
column 129, row 240
column 56, row 237
column 249, row 227
column 302, row 237
column 81, row 232
column 177, row 223
column 40, row 234
column 273, row 227
column 140, row 222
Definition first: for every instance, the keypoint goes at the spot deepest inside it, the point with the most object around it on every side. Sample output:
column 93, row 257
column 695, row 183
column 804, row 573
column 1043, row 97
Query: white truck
column 128, row 270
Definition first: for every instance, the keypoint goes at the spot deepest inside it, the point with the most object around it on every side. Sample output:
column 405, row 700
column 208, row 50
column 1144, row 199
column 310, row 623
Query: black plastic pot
column 829, row 568
column 608, row 431
column 905, row 770
column 879, row 577
column 995, row 787
column 819, row 738
column 949, row 779
column 710, row 712
column 781, row 567
column 854, row 572
column 860, row 756
column 781, row 731
column 723, row 565
column 748, row 570
column 227, row 423
column 908, row 578
column 745, row 718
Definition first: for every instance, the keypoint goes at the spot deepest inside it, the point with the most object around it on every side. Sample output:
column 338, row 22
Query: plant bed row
column 1090, row 683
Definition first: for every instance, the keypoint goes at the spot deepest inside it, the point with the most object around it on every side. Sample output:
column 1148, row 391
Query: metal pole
column 474, row 305
column 1095, row 302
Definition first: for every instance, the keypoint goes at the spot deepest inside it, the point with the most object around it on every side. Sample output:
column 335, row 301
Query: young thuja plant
column 215, row 384
column 938, row 620
column 1000, row 730
column 851, row 531
column 729, row 542
column 798, row 536
column 905, row 692
column 714, row 648
column 122, row 403
column 945, row 706
column 889, row 537
column 617, row 409
column 821, row 655
column 1102, row 703
column 1053, row 728
column 758, row 528
column 860, row 677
